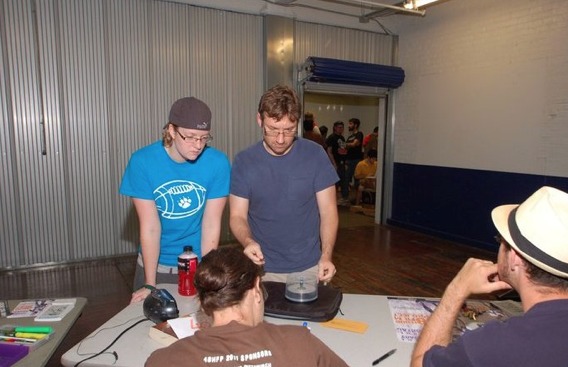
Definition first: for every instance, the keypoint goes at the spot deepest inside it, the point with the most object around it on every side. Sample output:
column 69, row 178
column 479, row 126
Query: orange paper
column 347, row 325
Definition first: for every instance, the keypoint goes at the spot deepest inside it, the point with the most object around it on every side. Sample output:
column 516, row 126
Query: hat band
column 528, row 248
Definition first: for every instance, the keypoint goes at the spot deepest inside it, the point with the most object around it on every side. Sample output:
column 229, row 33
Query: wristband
column 148, row 286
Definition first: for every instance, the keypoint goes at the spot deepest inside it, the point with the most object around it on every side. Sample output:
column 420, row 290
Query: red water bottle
column 187, row 265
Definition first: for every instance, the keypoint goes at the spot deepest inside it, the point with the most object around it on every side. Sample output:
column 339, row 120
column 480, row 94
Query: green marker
column 34, row 329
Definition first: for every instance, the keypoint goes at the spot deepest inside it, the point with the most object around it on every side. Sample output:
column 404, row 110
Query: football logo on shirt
column 179, row 199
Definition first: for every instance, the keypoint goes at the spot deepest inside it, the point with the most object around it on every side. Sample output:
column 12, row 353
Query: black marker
column 383, row 357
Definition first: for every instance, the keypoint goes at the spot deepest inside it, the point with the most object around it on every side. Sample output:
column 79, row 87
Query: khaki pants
column 281, row 277
column 164, row 274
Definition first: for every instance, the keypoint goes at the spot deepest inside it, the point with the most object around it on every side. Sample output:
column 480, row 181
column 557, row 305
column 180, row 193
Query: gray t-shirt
column 283, row 212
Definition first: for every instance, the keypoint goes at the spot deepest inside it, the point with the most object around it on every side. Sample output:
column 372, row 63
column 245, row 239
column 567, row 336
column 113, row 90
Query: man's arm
column 211, row 224
column 475, row 277
column 150, row 232
column 238, row 221
column 329, row 151
column 355, row 142
column 327, row 206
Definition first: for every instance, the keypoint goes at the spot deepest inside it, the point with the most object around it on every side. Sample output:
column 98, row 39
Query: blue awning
column 325, row 70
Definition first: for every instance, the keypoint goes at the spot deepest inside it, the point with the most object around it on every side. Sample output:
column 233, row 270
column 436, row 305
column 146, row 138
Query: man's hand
column 326, row 271
column 139, row 295
column 477, row 277
column 254, row 253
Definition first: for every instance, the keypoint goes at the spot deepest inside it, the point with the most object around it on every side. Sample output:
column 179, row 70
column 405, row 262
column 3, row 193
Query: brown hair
column 167, row 139
column 278, row 102
column 223, row 277
column 539, row 276
column 355, row 122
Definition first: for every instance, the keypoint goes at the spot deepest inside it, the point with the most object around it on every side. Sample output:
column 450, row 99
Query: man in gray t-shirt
column 283, row 206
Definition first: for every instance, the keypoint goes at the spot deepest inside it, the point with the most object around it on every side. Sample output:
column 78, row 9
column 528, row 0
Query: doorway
column 370, row 109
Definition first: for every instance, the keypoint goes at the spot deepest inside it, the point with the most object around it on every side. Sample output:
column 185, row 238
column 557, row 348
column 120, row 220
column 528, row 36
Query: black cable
column 111, row 344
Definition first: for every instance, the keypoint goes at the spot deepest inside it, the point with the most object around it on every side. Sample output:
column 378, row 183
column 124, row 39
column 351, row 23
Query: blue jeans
column 349, row 173
column 341, row 174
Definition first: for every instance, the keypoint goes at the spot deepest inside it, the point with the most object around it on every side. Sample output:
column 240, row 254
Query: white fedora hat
column 538, row 229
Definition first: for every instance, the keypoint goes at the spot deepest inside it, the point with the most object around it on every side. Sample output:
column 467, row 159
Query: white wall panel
column 486, row 87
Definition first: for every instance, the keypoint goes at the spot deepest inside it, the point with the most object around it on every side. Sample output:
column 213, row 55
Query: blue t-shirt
column 537, row 338
column 283, row 212
column 180, row 191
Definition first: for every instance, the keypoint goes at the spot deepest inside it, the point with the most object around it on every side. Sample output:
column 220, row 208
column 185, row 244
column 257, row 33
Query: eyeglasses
column 194, row 139
column 264, row 292
column 500, row 240
column 274, row 133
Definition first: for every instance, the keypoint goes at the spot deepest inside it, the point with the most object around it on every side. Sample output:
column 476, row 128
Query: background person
column 283, row 202
column 354, row 155
column 533, row 260
column 310, row 134
column 371, row 141
column 366, row 175
column 310, row 116
column 336, row 152
column 323, row 131
column 229, row 288
column 179, row 187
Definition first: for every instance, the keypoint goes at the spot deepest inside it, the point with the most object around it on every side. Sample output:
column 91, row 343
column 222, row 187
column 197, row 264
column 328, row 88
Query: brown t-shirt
column 236, row 345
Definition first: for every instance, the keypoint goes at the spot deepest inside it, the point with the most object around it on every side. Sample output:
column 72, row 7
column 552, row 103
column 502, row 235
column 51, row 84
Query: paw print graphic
column 184, row 203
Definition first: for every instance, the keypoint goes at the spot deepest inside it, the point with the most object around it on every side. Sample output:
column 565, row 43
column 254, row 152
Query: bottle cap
column 187, row 248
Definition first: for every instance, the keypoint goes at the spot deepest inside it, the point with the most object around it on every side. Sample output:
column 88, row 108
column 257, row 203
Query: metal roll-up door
column 326, row 70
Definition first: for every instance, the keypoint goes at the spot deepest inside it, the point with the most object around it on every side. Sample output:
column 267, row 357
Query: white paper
column 184, row 326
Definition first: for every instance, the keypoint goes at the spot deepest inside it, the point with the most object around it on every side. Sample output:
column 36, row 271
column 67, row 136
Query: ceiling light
column 415, row 4
column 375, row 4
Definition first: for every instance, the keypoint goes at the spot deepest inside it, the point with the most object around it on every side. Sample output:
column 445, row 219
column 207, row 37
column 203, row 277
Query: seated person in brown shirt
column 229, row 289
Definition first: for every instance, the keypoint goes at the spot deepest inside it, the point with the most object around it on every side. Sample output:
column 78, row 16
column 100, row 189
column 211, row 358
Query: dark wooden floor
column 369, row 258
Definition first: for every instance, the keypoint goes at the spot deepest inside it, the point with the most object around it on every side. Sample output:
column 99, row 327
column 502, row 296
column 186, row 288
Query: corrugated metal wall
column 96, row 78
column 102, row 75
column 341, row 43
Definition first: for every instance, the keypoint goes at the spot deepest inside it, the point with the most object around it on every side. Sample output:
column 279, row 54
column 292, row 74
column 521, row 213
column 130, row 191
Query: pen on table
column 424, row 305
column 383, row 357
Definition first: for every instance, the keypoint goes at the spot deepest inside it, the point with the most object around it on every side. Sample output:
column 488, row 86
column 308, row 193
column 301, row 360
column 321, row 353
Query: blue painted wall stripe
column 456, row 203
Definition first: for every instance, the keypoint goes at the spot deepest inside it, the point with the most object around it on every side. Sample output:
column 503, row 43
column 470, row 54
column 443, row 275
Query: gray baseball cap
column 190, row 113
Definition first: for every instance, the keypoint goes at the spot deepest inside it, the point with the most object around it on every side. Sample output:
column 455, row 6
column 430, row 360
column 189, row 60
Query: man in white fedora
column 533, row 260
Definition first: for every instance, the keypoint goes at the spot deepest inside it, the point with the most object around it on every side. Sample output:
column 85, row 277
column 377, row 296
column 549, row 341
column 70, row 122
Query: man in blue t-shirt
column 179, row 187
column 283, row 202
column 533, row 260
